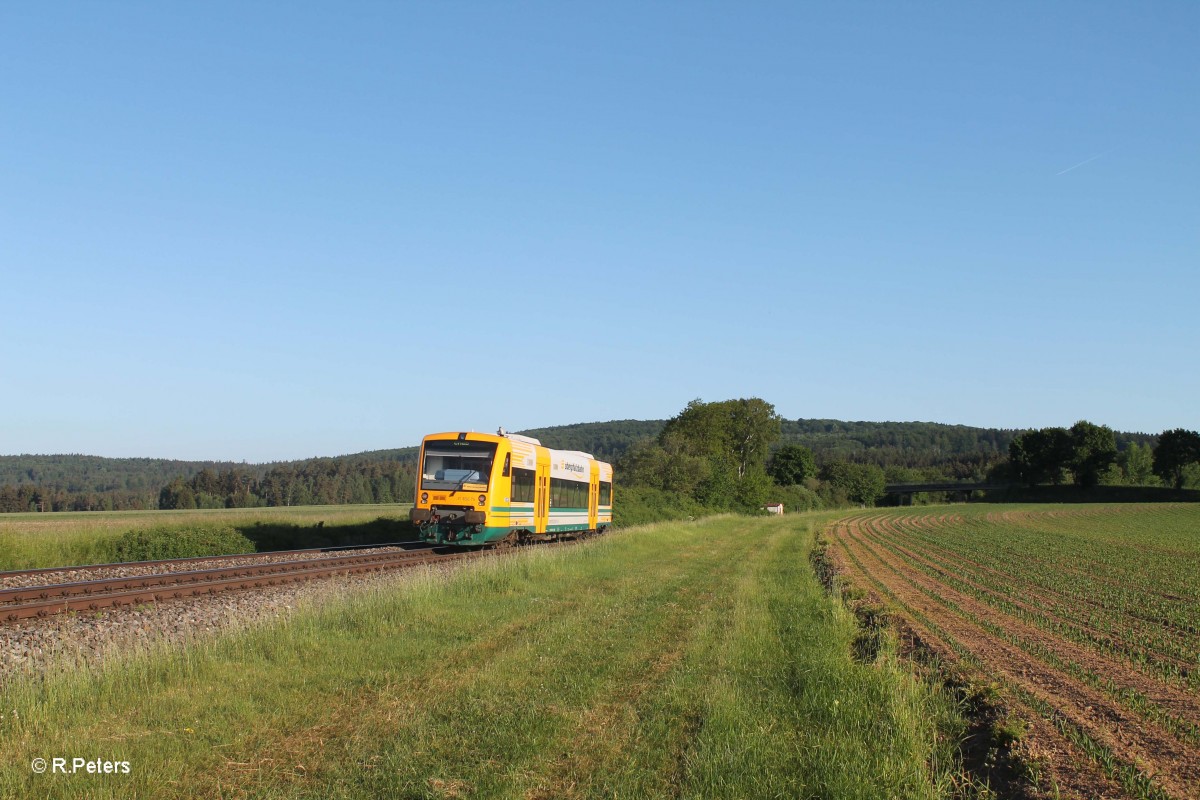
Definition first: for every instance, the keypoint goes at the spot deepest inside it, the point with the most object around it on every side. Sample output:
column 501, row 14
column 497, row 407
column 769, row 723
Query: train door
column 593, row 495
column 542, row 505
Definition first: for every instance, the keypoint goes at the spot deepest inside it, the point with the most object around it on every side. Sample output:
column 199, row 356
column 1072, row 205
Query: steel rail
column 56, row 590
column 246, row 578
column 16, row 573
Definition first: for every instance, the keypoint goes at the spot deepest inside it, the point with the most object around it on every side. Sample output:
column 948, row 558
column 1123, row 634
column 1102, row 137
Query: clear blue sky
column 275, row 230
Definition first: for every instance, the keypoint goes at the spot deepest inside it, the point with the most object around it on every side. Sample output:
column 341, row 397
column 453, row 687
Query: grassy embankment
column 684, row 659
column 29, row 541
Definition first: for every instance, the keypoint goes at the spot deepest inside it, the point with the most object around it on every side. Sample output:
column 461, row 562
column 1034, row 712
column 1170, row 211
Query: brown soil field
column 1099, row 725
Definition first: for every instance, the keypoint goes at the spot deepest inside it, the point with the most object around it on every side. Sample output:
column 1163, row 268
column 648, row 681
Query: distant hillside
column 78, row 473
column 605, row 440
column 906, row 444
column 94, row 482
column 909, row 444
column 887, row 443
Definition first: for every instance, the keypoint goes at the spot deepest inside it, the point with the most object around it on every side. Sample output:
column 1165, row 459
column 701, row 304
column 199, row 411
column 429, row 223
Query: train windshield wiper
column 463, row 482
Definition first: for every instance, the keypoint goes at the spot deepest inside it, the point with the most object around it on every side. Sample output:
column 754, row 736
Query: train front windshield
column 457, row 465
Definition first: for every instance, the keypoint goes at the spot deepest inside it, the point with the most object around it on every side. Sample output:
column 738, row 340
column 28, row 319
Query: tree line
column 1088, row 455
column 317, row 482
column 727, row 455
column 733, row 454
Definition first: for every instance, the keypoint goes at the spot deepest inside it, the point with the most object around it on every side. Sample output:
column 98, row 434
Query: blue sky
column 269, row 231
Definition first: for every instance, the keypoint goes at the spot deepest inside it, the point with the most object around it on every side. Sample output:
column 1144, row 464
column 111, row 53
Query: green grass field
column 682, row 659
column 29, row 541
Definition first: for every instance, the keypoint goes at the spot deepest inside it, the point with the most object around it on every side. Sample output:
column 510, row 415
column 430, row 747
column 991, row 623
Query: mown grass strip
column 694, row 660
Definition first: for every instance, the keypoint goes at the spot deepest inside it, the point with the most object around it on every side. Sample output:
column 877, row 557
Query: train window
column 457, row 465
column 606, row 493
column 568, row 494
column 522, row 485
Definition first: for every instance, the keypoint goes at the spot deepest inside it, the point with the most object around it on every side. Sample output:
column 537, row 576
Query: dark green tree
column 177, row 494
column 1176, row 450
column 708, row 451
column 753, row 489
column 753, row 426
column 792, row 465
column 1093, row 450
column 720, row 488
column 698, row 429
column 670, row 465
column 1137, row 464
column 741, row 429
column 1041, row 456
column 862, row 483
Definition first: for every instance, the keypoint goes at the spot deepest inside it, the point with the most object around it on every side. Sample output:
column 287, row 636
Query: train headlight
column 424, row 497
column 482, row 499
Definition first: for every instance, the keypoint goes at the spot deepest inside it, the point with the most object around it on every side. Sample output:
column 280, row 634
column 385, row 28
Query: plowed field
column 1088, row 617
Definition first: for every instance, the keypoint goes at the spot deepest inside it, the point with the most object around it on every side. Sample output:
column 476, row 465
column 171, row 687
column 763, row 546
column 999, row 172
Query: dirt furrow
column 1071, row 775
column 1174, row 766
column 926, row 526
column 1172, row 698
column 1168, row 625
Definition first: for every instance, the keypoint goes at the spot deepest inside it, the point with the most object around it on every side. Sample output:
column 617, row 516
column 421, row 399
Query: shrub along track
column 1104, row 726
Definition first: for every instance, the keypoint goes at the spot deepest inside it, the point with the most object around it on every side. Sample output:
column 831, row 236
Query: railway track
column 29, row 602
column 170, row 562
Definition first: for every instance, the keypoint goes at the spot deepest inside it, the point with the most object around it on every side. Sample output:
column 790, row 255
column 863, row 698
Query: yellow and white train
column 479, row 489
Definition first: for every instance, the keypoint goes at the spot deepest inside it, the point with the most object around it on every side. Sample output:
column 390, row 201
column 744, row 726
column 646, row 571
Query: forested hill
column 92, row 482
column 903, row 444
column 605, row 440
column 911, row 444
column 79, row 473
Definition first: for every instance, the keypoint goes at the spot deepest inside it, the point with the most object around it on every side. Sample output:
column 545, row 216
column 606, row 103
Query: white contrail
column 1081, row 163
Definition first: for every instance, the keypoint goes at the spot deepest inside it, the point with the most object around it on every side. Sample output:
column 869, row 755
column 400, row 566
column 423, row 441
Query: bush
column 165, row 541
column 638, row 505
column 862, row 484
column 796, row 499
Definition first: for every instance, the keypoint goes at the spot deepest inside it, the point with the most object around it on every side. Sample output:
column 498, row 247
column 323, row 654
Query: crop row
column 1137, row 783
column 1151, row 558
column 1149, row 601
column 1153, row 650
column 1065, row 580
column 1126, row 696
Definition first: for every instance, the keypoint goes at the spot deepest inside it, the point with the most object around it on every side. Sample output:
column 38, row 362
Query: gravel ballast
column 16, row 580
column 75, row 641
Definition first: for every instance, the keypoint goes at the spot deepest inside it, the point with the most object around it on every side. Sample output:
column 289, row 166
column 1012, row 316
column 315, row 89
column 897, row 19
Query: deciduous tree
column 792, row 465
column 1041, row 456
column 1093, row 450
column 1176, row 450
column 862, row 483
column 1137, row 464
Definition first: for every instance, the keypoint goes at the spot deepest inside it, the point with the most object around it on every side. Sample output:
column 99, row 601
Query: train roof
column 516, row 437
